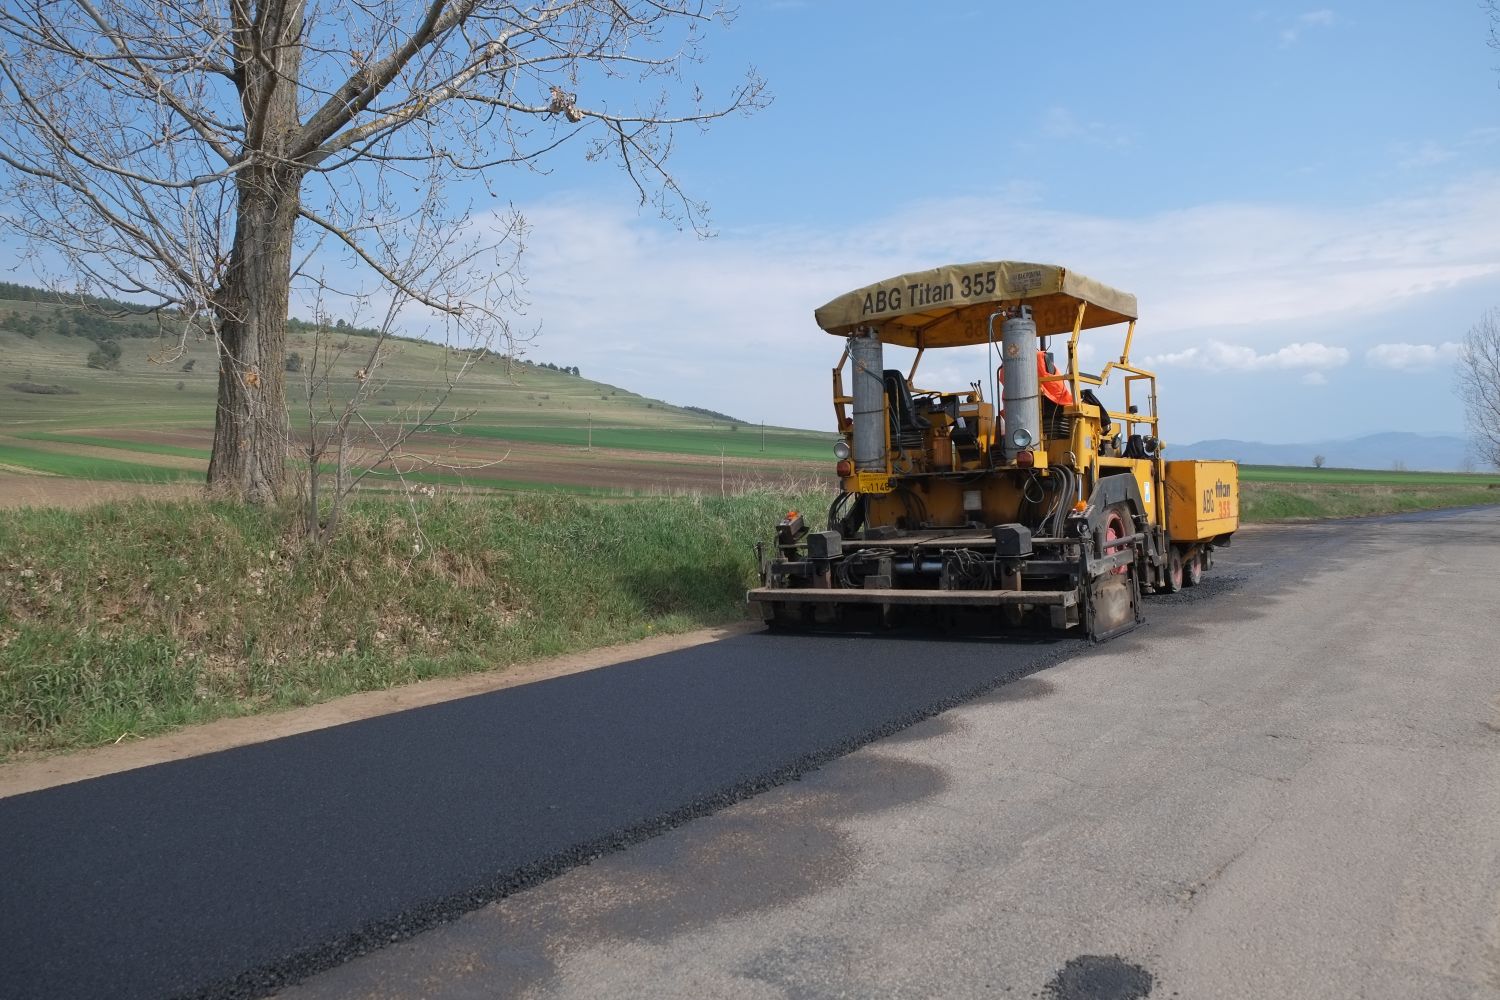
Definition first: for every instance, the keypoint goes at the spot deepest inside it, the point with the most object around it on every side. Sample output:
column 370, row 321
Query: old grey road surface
column 1289, row 789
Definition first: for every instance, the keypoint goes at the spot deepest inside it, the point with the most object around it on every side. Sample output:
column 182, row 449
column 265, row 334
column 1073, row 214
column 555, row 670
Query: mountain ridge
column 1380, row 450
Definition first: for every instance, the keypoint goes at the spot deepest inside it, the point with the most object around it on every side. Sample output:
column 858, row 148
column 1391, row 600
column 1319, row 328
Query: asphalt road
column 1287, row 784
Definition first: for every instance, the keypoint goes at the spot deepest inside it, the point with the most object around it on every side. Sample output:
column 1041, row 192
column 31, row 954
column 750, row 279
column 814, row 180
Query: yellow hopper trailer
column 1055, row 508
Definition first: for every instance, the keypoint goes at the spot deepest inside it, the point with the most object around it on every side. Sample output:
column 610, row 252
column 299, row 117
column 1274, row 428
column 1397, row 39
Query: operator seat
column 904, row 415
column 907, row 425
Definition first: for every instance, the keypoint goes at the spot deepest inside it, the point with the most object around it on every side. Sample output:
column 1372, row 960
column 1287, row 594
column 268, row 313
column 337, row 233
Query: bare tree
column 208, row 155
column 1479, row 385
column 1318, row 461
column 342, row 444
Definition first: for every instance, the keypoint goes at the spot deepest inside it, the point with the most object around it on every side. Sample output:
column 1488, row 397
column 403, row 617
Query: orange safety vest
column 1058, row 392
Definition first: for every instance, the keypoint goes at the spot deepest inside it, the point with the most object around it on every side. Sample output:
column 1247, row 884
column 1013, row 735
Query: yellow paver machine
column 1058, row 511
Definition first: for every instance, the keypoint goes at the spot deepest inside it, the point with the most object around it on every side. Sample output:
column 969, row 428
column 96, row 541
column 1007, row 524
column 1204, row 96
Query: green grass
column 130, row 618
column 805, row 446
column 480, row 480
column 1315, row 501
column 87, row 467
column 105, row 469
column 1297, row 474
column 96, row 441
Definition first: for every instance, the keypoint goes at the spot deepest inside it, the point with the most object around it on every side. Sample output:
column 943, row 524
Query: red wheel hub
column 1114, row 530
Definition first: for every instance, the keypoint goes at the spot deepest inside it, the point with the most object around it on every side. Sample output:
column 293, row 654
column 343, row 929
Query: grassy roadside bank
column 1283, row 501
column 130, row 618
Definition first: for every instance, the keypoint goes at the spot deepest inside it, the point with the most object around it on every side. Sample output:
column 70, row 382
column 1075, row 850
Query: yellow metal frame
column 839, row 399
column 1131, row 423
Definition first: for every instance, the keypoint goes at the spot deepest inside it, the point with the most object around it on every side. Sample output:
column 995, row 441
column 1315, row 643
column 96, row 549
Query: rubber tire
column 1193, row 570
column 1115, row 521
column 1120, row 585
column 1172, row 579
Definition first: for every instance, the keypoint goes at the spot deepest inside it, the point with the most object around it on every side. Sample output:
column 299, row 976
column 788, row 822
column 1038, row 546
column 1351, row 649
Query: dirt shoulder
column 36, row 773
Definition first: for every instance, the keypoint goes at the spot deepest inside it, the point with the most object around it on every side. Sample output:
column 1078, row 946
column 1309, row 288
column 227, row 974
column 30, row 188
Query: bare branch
column 1479, row 385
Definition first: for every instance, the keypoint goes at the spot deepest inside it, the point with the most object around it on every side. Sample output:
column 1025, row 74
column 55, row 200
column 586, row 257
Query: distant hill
column 60, row 336
column 94, row 393
column 1425, row 452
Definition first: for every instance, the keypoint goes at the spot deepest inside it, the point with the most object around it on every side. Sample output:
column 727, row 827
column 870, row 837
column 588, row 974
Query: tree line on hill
column 25, row 293
column 106, row 321
column 714, row 414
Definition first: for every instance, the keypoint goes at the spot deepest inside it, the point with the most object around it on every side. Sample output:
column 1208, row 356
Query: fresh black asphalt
column 237, row 872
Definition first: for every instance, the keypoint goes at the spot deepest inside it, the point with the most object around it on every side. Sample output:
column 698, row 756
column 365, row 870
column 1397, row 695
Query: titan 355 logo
column 922, row 294
column 1216, row 499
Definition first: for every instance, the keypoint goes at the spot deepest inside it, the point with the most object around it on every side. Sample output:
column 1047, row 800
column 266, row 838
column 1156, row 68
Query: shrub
column 43, row 390
column 106, row 356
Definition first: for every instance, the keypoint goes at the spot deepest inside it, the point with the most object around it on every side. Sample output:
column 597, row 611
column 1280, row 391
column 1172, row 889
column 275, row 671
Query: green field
column 85, row 467
column 1372, row 477
column 735, row 441
column 96, row 441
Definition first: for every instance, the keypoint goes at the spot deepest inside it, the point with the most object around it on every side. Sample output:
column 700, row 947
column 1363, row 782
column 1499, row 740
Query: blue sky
column 1305, row 198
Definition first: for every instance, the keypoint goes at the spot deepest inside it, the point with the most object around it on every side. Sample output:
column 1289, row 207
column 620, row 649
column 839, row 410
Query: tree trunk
column 251, row 436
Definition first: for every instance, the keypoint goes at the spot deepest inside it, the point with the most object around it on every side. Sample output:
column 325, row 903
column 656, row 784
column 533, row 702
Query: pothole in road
column 1099, row 977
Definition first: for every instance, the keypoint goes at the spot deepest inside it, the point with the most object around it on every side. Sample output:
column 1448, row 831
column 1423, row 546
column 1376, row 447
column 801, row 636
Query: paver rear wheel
column 1193, row 567
column 1174, row 570
column 1112, row 599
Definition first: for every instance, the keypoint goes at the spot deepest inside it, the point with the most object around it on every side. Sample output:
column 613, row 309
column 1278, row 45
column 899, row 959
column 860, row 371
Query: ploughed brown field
column 438, row 461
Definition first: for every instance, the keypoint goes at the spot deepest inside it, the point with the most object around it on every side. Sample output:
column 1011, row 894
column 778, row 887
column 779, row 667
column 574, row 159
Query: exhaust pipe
column 1022, row 390
column 866, row 351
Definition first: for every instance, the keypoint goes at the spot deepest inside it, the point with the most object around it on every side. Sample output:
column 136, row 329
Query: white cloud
column 1485, row 136
column 1315, row 378
column 1217, row 356
column 1410, row 357
column 1410, row 155
column 1424, row 154
column 1062, row 124
column 727, row 323
column 1292, row 33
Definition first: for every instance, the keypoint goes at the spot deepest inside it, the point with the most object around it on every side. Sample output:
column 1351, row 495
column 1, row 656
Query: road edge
column 39, row 773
